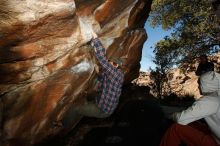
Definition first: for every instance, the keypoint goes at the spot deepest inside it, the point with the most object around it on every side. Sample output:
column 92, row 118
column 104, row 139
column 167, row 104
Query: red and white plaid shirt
column 111, row 81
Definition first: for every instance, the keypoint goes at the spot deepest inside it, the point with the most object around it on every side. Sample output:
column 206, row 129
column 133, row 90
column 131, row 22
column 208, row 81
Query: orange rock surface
column 47, row 65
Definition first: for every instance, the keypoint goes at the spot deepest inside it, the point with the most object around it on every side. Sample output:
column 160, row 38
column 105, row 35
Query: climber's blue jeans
column 91, row 110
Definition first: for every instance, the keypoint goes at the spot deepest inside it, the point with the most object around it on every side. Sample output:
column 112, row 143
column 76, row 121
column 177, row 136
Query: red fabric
column 194, row 134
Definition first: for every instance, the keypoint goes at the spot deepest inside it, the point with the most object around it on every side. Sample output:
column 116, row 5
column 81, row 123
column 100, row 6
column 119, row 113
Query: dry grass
column 7, row 16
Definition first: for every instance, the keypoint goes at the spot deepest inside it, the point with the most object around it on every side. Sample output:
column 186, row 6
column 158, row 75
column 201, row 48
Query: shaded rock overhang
column 47, row 64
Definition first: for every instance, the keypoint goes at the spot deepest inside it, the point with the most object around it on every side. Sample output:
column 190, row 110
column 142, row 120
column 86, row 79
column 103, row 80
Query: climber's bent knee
column 91, row 110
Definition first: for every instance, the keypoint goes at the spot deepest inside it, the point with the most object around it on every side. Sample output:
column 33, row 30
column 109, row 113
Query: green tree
column 157, row 83
column 165, row 54
column 195, row 29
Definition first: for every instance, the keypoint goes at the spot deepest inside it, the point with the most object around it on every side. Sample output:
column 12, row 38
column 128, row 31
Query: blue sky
column 154, row 35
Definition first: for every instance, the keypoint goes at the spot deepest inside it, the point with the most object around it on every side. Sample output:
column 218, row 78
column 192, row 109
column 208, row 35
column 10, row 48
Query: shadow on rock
column 139, row 122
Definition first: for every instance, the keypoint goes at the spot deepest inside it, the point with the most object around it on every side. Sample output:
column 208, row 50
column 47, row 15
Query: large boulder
column 47, row 65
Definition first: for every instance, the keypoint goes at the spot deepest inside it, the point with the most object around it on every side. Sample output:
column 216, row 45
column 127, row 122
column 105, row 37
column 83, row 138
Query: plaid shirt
column 111, row 81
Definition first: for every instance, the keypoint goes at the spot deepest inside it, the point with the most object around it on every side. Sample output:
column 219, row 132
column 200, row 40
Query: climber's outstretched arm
column 100, row 52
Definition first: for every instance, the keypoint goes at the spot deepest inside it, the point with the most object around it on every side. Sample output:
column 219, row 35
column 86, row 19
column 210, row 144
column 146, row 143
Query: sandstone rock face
column 184, row 84
column 47, row 64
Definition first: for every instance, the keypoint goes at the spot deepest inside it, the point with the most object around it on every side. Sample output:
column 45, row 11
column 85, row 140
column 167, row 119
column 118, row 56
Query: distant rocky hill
column 181, row 83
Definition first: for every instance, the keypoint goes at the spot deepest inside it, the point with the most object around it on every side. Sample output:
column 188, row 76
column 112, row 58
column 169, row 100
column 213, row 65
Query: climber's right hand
column 94, row 35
